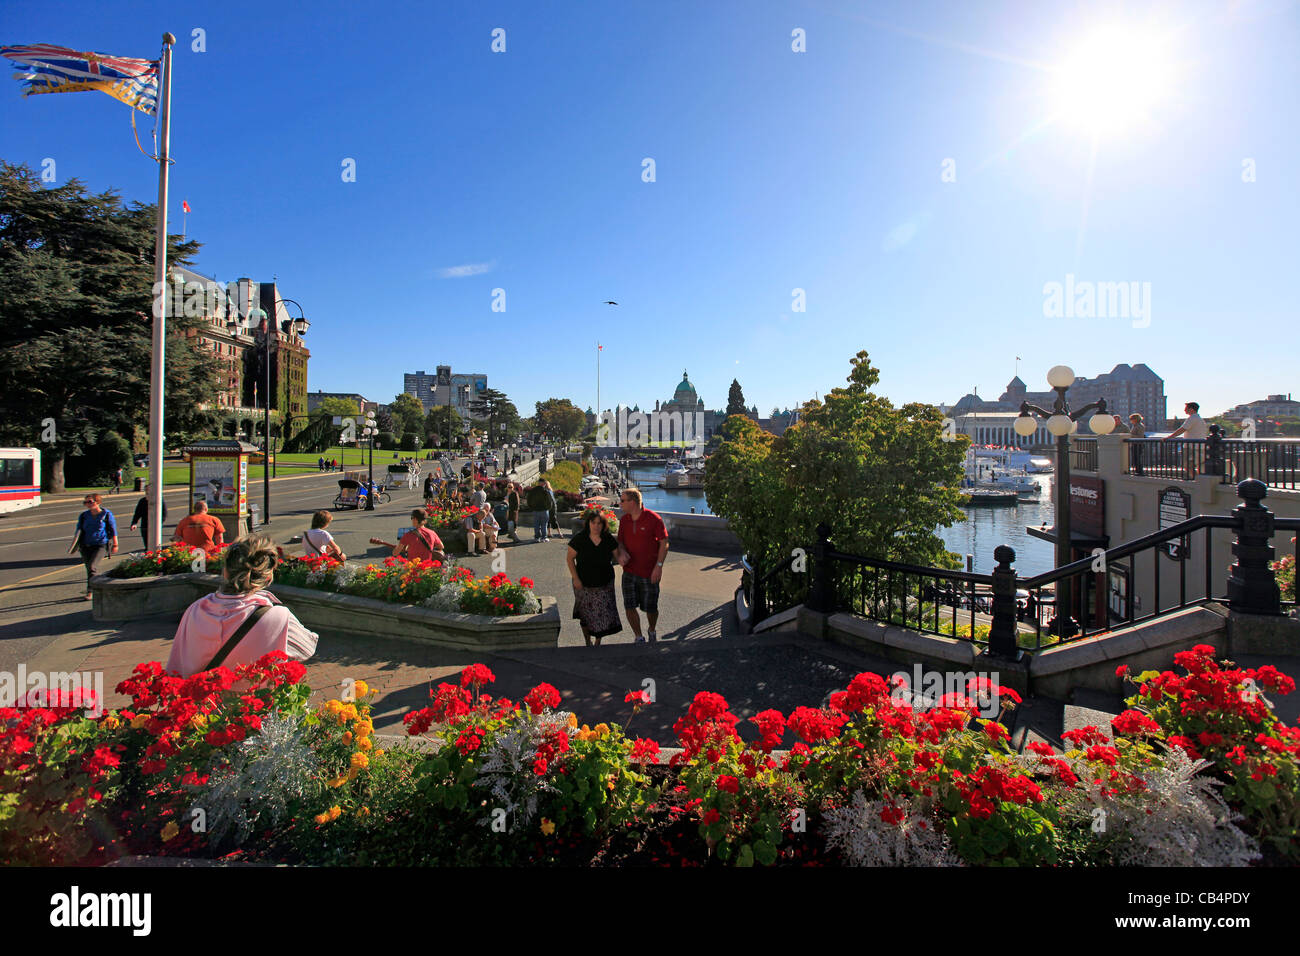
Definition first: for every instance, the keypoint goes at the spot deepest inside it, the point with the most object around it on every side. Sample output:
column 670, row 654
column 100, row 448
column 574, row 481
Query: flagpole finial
column 169, row 39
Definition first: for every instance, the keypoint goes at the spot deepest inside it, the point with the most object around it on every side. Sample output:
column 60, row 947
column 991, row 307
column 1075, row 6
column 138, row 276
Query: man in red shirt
column 642, row 547
column 199, row 529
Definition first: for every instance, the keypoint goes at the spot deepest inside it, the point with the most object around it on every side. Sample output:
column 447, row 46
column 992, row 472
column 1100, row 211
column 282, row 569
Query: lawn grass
column 565, row 476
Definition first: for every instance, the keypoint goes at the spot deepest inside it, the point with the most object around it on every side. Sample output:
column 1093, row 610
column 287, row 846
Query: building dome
column 685, row 390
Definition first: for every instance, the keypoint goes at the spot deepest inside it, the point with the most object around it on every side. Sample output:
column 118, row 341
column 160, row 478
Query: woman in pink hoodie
column 208, row 631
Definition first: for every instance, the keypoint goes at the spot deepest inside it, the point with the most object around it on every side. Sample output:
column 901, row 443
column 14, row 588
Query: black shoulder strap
column 238, row 636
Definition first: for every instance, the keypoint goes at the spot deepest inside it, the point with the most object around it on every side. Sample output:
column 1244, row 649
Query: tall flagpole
column 597, row 381
column 157, row 380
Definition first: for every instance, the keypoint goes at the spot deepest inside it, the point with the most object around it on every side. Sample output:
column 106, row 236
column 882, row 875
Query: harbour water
column 982, row 531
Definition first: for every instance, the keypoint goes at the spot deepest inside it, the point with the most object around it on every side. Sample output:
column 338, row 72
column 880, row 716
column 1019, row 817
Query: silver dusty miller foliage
column 864, row 839
column 508, row 770
column 267, row 772
column 1178, row 820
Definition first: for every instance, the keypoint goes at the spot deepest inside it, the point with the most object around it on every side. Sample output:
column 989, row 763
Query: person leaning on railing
column 1193, row 428
column 1136, row 431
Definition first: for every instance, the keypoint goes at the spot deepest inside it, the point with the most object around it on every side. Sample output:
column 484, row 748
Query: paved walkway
column 47, row 627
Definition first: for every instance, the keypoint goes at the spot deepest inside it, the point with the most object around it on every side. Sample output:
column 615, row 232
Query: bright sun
column 1112, row 81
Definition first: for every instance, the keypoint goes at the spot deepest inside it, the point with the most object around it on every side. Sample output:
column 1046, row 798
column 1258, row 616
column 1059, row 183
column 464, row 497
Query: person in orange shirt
column 199, row 529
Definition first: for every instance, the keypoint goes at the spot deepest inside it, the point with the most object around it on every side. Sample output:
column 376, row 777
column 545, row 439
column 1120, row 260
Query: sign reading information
column 1175, row 505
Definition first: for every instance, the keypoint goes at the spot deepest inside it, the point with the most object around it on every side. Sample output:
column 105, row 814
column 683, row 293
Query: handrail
column 969, row 577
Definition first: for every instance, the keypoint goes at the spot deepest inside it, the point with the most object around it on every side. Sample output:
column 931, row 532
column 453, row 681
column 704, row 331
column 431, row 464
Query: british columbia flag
column 58, row 69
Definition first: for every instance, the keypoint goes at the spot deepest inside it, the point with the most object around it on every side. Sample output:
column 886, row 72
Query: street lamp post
column 1061, row 422
column 298, row 325
column 370, row 431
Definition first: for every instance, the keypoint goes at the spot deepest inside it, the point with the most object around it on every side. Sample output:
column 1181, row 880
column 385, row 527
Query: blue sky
column 774, row 170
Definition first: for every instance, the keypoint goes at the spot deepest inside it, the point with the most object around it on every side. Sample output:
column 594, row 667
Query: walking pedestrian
column 429, row 492
column 512, row 510
column 242, row 621
column 117, row 480
column 320, row 463
column 542, row 515
column 96, row 536
column 643, row 546
column 141, row 517
column 590, row 556
column 1136, row 432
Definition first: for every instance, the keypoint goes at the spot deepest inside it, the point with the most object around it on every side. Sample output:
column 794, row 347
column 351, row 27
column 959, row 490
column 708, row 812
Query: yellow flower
column 573, row 720
column 322, row 817
column 333, row 706
column 547, row 826
column 360, row 761
column 347, row 737
column 170, row 830
column 361, row 688
column 199, row 721
column 111, row 722
column 379, row 753
column 363, row 728
column 601, row 729
column 365, row 743
column 139, row 721
column 335, row 812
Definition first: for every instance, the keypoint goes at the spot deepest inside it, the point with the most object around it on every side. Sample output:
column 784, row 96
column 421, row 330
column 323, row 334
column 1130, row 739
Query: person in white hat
column 490, row 527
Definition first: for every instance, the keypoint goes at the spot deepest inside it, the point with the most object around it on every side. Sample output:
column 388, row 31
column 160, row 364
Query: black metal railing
column 1274, row 461
column 1009, row 613
column 778, row 588
column 1083, row 454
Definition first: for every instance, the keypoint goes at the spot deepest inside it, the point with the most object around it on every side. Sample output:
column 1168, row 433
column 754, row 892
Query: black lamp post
column 298, row 325
column 370, row 431
column 1061, row 422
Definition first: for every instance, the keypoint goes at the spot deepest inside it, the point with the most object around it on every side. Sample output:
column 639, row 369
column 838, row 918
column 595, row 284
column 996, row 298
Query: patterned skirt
column 597, row 608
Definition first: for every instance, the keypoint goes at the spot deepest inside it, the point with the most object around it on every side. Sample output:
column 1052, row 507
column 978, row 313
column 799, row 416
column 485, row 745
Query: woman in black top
column 590, row 557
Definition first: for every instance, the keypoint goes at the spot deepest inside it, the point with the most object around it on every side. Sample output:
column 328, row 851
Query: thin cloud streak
column 470, row 269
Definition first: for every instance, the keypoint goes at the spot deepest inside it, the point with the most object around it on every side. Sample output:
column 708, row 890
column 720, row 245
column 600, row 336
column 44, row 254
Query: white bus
column 20, row 479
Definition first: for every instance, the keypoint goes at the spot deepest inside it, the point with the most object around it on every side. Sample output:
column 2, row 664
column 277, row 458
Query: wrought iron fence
column 1274, row 461
column 1009, row 613
column 1083, row 454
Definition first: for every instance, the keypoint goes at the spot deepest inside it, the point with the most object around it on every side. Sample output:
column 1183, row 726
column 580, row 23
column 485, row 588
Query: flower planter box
column 119, row 599
column 125, row 599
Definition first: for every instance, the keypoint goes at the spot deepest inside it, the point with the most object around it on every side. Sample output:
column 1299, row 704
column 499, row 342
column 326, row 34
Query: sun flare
column 1112, row 81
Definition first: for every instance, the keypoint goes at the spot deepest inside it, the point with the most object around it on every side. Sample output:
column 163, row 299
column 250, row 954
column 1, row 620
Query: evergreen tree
column 76, row 303
column 736, row 399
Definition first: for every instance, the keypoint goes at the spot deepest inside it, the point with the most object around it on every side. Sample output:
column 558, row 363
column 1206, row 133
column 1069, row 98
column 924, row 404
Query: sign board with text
column 1174, row 505
column 1088, row 506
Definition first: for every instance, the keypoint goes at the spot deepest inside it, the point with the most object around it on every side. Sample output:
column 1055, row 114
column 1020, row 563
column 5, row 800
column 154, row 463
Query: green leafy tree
column 492, row 405
column 736, row 400
column 76, row 304
column 436, row 422
column 343, row 407
column 407, row 413
column 560, row 418
column 883, row 478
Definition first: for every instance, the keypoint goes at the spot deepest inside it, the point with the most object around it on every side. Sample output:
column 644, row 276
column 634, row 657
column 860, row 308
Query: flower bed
column 870, row 781
column 172, row 559
column 425, row 583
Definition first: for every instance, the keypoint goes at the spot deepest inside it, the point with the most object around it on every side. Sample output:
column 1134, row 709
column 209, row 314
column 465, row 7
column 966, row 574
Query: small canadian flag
column 185, row 205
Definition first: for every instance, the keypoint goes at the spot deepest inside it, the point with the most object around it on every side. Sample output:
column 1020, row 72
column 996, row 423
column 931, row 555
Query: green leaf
column 746, row 855
column 764, row 852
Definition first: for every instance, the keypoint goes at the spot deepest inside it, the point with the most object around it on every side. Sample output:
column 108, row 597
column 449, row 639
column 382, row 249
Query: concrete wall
column 528, row 472
column 708, row 532
column 1131, row 512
